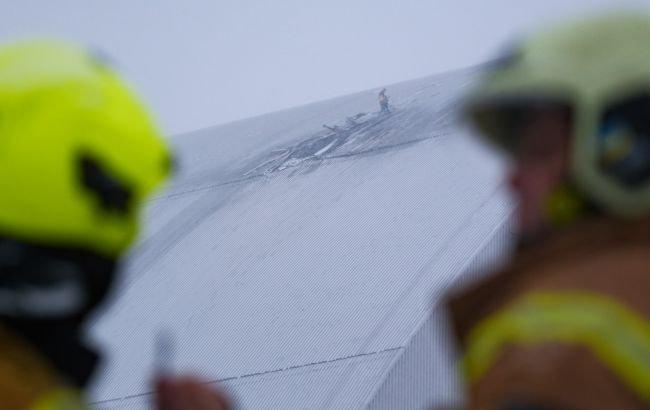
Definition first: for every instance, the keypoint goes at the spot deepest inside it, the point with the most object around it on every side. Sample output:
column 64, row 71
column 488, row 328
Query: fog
column 200, row 63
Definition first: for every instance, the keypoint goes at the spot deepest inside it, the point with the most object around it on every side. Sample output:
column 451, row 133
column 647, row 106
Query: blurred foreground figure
column 567, row 324
column 78, row 157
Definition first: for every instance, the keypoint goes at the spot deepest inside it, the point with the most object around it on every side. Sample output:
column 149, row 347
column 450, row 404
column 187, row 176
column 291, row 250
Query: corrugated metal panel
column 282, row 245
column 301, row 387
column 424, row 374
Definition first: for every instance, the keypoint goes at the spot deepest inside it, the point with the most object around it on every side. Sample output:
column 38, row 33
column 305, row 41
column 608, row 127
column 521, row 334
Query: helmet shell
column 60, row 104
column 586, row 66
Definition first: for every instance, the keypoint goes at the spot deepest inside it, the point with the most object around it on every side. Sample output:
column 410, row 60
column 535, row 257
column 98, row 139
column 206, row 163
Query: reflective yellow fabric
column 62, row 399
column 616, row 335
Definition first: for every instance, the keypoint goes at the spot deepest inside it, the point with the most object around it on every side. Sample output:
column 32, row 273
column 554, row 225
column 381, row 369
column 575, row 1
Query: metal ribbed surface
column 424, row 373
column 280, row 274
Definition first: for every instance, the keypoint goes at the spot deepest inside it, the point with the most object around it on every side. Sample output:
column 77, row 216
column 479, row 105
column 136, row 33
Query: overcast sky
column 200, row 62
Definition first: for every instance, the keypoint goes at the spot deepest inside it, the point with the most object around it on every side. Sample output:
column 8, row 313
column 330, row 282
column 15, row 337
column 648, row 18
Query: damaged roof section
column 297, row 265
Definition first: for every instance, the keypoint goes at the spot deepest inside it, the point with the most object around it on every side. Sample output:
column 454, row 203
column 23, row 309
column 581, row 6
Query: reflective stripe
column 616, row 335
column 61, row 399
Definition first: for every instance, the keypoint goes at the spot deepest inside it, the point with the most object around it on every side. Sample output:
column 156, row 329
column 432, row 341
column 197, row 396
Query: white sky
column 200, row 62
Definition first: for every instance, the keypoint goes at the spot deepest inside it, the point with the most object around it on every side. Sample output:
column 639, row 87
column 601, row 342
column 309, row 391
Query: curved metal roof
column 297, row 264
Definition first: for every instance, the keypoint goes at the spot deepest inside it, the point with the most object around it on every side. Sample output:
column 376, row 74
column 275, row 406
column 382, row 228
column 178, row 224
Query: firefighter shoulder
column 567, row 325
column 29, row 381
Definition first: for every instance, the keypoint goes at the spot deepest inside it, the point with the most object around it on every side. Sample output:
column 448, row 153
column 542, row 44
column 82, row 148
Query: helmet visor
column 623, row 141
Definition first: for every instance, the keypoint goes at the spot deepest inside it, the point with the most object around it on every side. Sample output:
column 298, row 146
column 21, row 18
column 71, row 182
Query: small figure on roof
column 383, row 101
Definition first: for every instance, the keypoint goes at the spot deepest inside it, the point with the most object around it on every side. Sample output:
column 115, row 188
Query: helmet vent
column 113, row 195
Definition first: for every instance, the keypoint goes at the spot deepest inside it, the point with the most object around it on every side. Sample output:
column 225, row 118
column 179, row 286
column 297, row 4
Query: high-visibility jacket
column 28, row 380
column 565, row 326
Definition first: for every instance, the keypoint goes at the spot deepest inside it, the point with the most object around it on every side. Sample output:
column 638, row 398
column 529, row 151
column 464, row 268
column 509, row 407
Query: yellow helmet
column 78, row 152
column 599, row 71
